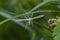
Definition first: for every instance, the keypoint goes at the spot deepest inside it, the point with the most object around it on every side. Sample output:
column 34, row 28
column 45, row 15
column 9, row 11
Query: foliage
column 37, row 29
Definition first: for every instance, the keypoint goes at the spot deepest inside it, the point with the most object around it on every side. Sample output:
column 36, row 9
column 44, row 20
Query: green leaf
column 56, row 33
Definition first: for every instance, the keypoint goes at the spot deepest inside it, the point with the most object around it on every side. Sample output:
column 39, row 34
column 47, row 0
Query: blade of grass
column 14, row 20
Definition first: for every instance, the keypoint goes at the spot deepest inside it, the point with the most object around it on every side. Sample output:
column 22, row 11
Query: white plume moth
column 29, row 19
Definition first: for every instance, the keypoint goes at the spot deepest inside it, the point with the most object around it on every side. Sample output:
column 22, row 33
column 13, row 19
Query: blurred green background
column 38, row 29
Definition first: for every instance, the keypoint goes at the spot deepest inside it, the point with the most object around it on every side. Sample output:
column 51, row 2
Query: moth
column 30, row 19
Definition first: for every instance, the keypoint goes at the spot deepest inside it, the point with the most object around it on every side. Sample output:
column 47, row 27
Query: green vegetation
column 26, row 29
